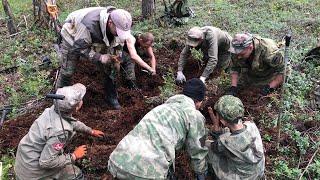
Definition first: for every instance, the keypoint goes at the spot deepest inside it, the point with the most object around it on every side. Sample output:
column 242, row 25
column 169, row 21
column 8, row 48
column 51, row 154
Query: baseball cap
column 123, row 21
column 195, row 89
column 194, row 36
column 240, row 42
column 230, row 108
column 73, row 95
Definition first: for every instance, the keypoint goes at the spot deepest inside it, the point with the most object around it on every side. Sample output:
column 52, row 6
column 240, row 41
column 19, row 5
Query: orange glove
column 80, row 151
column 97, row 133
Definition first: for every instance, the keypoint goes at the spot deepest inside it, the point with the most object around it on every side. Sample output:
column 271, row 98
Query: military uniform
column 149, row 149
column 262, row 66
column 127, row 62
column 214, row 48
column 40, row 153
column 238, row 155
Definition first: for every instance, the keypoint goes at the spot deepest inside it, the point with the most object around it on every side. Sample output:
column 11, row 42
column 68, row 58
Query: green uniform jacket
column 265, row 62
column 216, row 44
column 40, row 152
column 149, row 149
column 238, row 155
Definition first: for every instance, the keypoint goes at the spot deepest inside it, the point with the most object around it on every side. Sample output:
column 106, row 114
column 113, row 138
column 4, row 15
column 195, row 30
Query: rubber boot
column 111, row 93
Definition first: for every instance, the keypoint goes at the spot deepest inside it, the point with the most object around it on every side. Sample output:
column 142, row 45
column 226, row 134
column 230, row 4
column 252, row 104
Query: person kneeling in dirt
column 214, row 44
column 256, row 61
column 142, row 48
column 236, row 151
column 40, row 153
column 148, row 151
column 97, row 34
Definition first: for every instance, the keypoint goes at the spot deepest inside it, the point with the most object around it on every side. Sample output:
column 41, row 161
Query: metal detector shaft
column 286, row 59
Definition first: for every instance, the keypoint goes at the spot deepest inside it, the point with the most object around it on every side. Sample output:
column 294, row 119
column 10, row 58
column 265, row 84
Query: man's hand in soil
column 214, row 119
column 180, row 77
column 79, row 152
column 105, row 58
column 97, row 133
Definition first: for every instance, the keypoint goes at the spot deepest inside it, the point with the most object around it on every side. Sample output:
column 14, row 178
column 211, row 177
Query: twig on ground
column 311, row 159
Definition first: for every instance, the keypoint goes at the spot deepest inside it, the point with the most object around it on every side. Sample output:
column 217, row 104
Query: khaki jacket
column 41, row 153
column 216, row 43
column 85, row 30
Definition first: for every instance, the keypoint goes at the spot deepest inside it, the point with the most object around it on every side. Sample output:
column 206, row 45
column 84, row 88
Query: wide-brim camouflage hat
column 240, row 42
column 194, row 36
column 73, row 95
column 230, row 108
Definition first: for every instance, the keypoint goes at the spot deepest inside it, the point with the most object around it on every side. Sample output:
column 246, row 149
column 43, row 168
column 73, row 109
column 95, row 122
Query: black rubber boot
column 111, row 93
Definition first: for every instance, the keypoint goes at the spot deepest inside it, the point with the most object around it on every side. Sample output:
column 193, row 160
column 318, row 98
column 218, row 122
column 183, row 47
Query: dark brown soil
column 117, row 123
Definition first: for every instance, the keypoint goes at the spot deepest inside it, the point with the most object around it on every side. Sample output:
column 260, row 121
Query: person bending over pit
column 214, row 44
column 142, row 48
column 237, row 150
column 41, row 154
column 148, row 151
column 97, row 34
column 255, row 61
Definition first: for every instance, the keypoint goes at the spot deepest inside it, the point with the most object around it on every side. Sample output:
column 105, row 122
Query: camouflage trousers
column 68, row 67
column 69, row 172
column 128, row 67
column 122, row 174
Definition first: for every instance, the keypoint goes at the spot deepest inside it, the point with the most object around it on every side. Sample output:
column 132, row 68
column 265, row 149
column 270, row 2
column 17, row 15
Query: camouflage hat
column 73, row 95
column 230, row 108
column 240, row 42
column 194, row 36
column 122, row 20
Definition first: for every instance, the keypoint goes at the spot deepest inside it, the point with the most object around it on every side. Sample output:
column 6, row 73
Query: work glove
column 97, row 133
column 180, row 77
column 203, row 79
column 80, row 152
column 233, row 90
column 266, row 90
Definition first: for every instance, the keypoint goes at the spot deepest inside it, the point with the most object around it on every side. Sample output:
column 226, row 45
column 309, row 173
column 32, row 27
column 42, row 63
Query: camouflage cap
column 240, row 42
column 73, row 95
column 230, row 108
column 194, row 36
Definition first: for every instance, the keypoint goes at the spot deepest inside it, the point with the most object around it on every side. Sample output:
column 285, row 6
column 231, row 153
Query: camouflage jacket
column 215, row 42
column 85, row 31
column 238, row 155
column 149, row 149
column 40, row 152
column 265, row 61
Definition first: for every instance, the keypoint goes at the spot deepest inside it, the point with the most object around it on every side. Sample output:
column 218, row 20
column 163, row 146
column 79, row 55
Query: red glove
column 80, row 152
column 97, row 133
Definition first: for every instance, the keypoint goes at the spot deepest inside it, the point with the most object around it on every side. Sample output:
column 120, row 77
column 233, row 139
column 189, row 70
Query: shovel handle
column 55, row 96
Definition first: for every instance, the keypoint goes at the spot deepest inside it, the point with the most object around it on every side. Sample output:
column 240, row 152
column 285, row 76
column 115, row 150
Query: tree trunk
column 10, row 22
column 41, row 15
column 148, row 8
